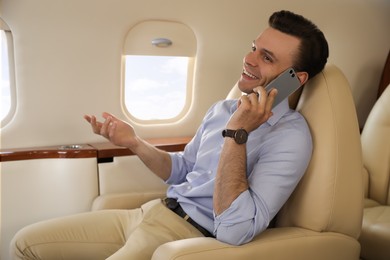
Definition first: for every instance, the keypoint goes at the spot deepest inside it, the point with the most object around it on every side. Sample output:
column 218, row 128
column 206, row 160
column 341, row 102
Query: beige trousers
column 106, row 234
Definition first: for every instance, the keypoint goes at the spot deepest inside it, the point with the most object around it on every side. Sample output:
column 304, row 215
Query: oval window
column 159, row 60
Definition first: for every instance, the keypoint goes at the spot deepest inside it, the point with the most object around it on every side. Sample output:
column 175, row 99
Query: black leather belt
column 173, row 205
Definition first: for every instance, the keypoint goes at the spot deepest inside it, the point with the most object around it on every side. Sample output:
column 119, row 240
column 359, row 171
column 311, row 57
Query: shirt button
column 188, row 187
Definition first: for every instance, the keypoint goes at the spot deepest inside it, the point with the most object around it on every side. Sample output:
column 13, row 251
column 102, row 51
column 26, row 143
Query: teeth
column 249, row 74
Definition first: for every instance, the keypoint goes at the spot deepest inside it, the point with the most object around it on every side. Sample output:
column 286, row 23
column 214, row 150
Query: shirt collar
column 281, row 109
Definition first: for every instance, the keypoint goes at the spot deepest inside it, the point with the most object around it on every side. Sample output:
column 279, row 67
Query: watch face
column 241, row 136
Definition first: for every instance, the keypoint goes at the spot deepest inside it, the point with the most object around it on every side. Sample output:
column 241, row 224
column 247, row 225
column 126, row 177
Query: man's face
column 272, row 52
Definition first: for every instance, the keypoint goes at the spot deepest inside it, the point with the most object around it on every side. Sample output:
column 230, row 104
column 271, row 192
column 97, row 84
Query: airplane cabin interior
column 160, row 66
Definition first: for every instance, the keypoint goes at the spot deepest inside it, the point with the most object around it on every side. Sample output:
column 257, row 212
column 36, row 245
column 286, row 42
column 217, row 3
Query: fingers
column 260, row 103
column 106, row 115
column 270, row 100
column 98, row 127
column 265, row 99
column 112, row 129
column 260, row 92
column 87, row 118
column 94, row 124
column 106, row 127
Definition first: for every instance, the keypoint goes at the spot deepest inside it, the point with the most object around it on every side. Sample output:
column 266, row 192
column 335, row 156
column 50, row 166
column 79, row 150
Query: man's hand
column 253, row 110
column 115, row 130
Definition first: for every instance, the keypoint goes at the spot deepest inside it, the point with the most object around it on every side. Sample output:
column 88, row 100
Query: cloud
column 176, row 65
column 155, row 87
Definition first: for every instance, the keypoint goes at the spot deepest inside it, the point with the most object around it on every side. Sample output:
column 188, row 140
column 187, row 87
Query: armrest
column 124, row 200
column 275, row 243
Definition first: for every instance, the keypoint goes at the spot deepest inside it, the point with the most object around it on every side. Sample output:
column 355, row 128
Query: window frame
column 11, row 70
column 138, row 42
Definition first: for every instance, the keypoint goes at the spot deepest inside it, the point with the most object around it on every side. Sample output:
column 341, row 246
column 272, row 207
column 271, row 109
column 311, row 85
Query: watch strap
column 228, row 133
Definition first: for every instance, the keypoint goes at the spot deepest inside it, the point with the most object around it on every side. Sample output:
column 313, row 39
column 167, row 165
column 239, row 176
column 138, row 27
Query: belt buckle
column 171, row 204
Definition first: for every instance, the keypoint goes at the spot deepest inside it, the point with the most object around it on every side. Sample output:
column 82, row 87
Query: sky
column 155, row 86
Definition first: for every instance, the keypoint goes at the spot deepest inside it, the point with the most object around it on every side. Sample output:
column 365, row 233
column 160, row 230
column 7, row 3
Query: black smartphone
column 286, row 83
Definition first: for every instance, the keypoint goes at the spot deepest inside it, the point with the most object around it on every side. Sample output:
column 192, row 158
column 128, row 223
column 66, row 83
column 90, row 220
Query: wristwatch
column 239, row 135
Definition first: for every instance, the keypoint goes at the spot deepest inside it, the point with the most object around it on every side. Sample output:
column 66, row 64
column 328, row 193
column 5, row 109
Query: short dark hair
column 313, row 51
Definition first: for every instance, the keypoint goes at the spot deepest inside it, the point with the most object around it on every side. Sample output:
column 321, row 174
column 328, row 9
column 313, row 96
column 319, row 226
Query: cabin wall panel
column 40, row 189
column 128, row 174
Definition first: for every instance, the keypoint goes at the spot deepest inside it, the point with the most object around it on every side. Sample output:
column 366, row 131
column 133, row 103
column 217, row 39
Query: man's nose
column 250, row 60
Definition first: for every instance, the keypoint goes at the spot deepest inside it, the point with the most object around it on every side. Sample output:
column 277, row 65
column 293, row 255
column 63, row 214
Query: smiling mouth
column 245, row 72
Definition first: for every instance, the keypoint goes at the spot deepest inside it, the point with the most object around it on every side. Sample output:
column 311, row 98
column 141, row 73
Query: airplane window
column 155, row 86
column 6, row 70
column 159, row 58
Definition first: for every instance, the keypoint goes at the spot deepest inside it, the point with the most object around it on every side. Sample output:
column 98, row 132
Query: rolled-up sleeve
column 236, row 224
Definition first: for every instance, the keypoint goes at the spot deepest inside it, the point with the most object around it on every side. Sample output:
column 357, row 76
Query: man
column 232, row 178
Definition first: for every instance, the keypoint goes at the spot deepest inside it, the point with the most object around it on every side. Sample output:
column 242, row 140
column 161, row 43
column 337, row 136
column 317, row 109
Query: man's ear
column 302, row 76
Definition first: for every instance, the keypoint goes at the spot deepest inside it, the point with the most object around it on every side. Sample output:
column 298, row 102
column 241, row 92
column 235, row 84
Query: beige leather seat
column 375, row 236
column 322, row 219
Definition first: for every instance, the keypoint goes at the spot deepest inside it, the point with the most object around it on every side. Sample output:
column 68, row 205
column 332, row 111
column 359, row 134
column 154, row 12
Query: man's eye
column 253, row 48
column 267, row 58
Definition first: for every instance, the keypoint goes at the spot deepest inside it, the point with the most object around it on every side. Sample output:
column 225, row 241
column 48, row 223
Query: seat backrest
column 375, row 140
column 330, row 195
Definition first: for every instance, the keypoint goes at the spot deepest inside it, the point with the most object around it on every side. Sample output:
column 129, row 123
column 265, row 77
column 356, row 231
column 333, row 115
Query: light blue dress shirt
column 278, row 153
